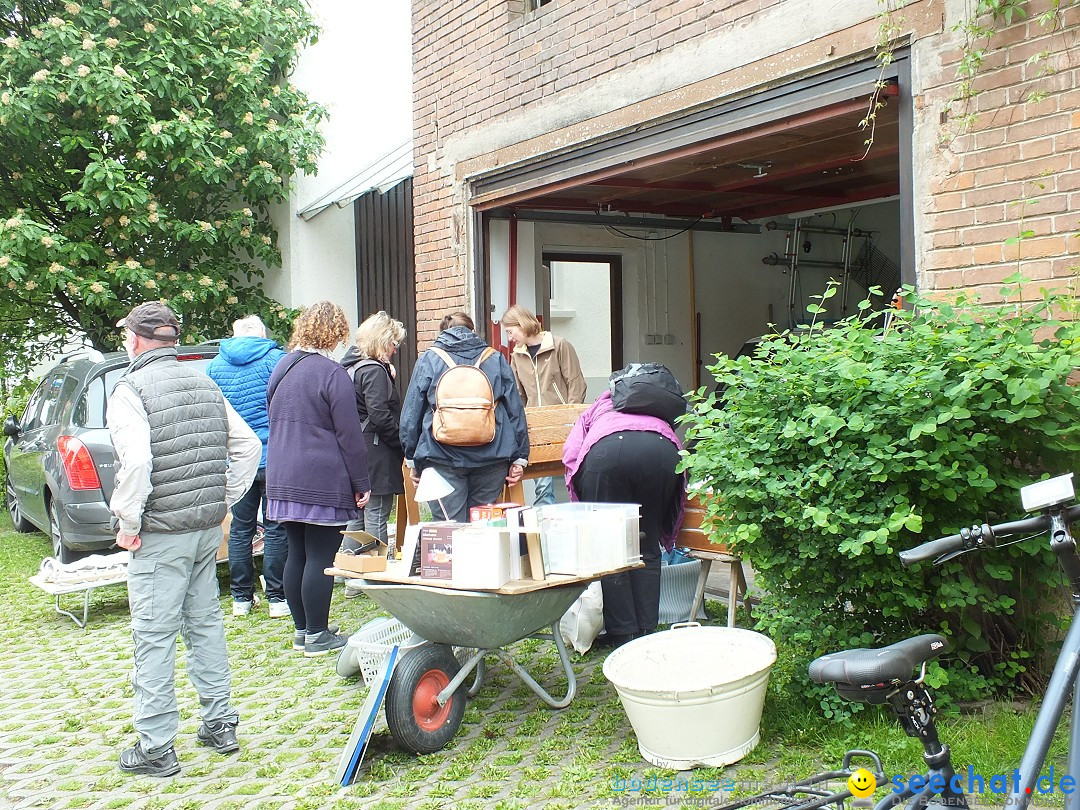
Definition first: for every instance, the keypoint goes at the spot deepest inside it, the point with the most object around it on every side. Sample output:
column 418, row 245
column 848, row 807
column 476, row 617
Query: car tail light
column 78, row 465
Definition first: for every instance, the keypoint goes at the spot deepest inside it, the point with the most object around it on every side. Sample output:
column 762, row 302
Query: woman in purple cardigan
column 615, row 457
column 316, row 468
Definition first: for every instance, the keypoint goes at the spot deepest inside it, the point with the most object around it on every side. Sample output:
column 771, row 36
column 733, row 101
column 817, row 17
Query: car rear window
column 90, row 410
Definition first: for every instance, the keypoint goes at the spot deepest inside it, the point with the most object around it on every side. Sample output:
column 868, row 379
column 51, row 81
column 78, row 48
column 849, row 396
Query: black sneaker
column 219, row 736
column 299, row 639
column 135, row 760
column 325, row 642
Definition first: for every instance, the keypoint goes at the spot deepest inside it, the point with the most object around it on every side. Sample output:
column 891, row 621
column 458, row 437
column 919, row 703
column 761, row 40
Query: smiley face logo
column 862, row 783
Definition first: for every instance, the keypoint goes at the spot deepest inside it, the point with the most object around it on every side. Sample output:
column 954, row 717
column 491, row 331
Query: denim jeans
column 543, row 491
column 376, row 514
column 473, row 486
column 245, row 516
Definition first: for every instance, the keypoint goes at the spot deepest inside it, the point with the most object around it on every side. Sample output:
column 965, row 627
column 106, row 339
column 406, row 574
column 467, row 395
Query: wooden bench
column 693, row 537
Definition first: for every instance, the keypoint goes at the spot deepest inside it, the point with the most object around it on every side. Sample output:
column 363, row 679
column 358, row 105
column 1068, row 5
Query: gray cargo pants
column 172, row 588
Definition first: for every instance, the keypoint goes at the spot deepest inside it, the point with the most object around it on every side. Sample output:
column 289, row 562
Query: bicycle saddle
column 865, row 675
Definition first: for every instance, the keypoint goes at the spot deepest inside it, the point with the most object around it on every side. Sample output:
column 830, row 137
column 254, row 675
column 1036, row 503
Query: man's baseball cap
column 152, row 320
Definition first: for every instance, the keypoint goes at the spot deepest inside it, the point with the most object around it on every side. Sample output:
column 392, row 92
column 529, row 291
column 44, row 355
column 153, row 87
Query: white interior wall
column 581, row 313
column 737, row 295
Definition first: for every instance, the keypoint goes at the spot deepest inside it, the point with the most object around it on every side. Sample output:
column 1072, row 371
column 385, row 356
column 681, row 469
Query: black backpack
column 649, row 389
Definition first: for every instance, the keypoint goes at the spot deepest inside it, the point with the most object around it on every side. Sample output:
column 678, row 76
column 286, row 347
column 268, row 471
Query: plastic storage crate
column 584, row 538
column 369, row 646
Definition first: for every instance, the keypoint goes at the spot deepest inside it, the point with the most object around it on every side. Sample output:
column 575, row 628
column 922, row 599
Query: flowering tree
column 142, row 144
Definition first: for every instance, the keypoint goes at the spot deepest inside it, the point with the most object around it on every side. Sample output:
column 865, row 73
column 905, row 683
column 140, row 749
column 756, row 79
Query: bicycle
column 884, row 676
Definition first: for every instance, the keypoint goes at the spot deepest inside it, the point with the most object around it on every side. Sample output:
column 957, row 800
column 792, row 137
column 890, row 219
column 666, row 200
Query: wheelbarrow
column 425, row 700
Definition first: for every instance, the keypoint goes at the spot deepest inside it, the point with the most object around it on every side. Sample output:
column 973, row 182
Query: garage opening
column 724, row 223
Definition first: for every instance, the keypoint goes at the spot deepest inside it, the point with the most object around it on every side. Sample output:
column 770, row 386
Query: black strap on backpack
column 297, row 357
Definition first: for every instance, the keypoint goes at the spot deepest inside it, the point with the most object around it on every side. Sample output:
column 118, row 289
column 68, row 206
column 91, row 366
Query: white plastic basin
column 693, row 694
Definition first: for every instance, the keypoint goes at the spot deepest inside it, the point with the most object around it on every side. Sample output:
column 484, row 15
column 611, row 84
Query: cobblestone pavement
column 65, row 710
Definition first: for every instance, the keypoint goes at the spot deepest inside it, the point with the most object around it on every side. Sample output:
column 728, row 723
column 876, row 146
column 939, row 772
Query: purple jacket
column 600, row 420
column 316, row 453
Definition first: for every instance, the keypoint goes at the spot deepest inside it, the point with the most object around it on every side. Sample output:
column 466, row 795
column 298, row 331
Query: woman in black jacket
column 379, row 406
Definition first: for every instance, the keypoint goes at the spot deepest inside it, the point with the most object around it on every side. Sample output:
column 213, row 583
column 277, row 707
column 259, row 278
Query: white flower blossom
column 123, row 221
column 131, row 264
column 249, row 118
column 56, row 268
column 31, row 285
column 245, row 232
column 188, row 295
column 140, row 155
column 16, row 175
column 243, row 69
column 4, row 262
column 114, row 120
column 47, row 241
column 265, row 103
column 88, row 44
column 219, row 162
column 152, row 206
column 66, row 60
column 151, row 263
column 76, row 114
column 266, row 240
column 241, row 150
column 97, row 287
column 246, row 212
column 206, row 281
column 232, row 299
column 204, row 226
column 150, row 284
column 173, row 277
column 111, row 42
column 72, row 8
column 196, row 10
column 56, row 22
column 155, row 129
column 113, row 22
column 119, row 72
column 40, row 76
column 62, row 96
column 12, row 285
column 106, row 4
column 275, row 90
column 12, row 42
column 152, row 217
column 226, row 134
column 5, row 98
column 149, row 27
column 83, row 70
column 272, row 125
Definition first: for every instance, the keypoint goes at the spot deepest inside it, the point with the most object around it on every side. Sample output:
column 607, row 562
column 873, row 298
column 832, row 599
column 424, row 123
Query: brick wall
column 475, row 60
column 1016, row 168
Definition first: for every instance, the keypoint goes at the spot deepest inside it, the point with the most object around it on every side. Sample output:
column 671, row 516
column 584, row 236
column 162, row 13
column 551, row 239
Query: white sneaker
column 242, row 607
column 279, row 609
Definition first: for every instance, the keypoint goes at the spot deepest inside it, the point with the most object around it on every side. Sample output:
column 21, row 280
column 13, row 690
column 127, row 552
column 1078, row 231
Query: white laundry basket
column 693, row 694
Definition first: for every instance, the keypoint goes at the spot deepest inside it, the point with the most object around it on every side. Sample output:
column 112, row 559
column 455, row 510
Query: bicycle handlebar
column 979, row 536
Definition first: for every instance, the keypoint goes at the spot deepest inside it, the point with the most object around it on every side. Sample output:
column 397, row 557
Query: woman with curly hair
column 316, row 467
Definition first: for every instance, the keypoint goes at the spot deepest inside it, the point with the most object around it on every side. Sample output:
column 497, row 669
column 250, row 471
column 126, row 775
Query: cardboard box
column 437, row 549
column 481, row 557
column 360, row 563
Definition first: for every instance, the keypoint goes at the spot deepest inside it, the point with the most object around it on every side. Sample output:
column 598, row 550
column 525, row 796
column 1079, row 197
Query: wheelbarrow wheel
column 417, row 722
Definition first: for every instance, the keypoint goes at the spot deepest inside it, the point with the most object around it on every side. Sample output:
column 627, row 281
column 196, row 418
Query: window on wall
column 535, row 4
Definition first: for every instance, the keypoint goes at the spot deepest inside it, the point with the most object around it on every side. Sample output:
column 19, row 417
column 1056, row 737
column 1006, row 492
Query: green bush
column 14, row 401
column 835, row 447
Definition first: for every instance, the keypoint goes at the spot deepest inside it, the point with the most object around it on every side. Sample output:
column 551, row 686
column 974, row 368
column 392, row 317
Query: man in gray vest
column 183, row 454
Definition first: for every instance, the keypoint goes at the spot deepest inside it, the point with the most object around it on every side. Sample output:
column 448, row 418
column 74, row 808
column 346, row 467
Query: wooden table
column 396, row 573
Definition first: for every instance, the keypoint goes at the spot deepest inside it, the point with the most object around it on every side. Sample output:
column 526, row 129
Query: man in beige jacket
column 547, row 370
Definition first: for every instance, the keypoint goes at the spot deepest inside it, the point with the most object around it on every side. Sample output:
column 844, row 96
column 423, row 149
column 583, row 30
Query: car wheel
column 15, row 511
column 56, row 535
